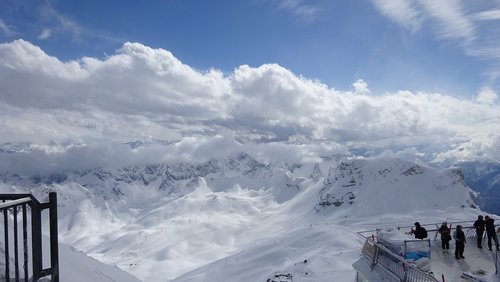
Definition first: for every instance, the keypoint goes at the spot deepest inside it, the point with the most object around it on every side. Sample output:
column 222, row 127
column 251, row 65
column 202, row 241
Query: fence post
column 6, row 241
column 54, row 242
column 375, row 256
column 36, row 237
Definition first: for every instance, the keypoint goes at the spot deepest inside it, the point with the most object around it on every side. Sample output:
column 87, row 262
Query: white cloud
column 5, row 29
column 451, row 19
column 403, row 12
column 486, row 95
column 45, row 34
column 142, row 93
column 447, row 17
column 303, row 11
column 62, row 22
column 460, row 23
column 361, row 87
column 491, row 15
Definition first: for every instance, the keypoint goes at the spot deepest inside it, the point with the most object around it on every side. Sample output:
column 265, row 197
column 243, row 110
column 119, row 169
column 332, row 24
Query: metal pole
column 54, row 242
column 36, row 240
column 16, row 246
column 6, row 238
column 25, row 243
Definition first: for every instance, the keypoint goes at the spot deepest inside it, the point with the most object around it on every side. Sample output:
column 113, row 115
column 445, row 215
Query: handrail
column 17, row 203
column 380, row 255
column 371, row 233
column 14, row 203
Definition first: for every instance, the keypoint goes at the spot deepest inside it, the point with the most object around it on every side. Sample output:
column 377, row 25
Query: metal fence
column 22, row 221
column 432, row 230
column 405, row 271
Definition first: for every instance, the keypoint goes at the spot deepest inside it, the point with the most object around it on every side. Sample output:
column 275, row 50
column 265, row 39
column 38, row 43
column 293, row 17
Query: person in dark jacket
column 445, row 235
column 489, row 223
column 420, row 232
column 459, row 236
column 479, row 226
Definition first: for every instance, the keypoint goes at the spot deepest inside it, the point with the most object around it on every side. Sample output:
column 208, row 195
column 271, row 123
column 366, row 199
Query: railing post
column 6, row 241
column 25, row 242
column 375, row 255
column 54, row 242
column 16, row 245
column 36, row 240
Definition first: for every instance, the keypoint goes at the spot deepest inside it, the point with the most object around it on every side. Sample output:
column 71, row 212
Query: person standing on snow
column 459, row 236
column 445, row 235
column 490, row 231
column 479, row 226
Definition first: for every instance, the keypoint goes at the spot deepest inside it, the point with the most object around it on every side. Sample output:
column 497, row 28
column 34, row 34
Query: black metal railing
column 30, row 222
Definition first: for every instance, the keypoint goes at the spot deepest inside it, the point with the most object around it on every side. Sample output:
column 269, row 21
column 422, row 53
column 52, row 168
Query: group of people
column 459, row 237
column 487, row 224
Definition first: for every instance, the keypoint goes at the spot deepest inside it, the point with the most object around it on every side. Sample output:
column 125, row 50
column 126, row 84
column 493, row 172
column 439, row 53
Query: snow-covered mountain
column 240, row 219
column 484, row 178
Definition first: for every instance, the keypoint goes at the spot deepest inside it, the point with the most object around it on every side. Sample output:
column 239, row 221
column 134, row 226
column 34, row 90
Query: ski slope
column 245, row 221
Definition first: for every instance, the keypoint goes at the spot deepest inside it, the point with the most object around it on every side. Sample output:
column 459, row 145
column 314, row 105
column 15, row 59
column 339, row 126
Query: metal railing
column 432, row 230
column 25, row 208
column 405, row 271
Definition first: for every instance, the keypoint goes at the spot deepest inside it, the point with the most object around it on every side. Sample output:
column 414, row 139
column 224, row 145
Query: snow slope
column 240, row 220
column 76, row 266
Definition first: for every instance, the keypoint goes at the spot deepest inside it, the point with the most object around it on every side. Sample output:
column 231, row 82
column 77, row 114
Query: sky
column 450, row 46
column 386, row 74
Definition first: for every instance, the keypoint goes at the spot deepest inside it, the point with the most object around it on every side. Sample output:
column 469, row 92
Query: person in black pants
column 490, row 231
column 479, row 226
column 445, row 235
column 459, row 236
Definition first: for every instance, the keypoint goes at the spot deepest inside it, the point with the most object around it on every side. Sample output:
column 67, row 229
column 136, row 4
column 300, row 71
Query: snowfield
column 241, row 220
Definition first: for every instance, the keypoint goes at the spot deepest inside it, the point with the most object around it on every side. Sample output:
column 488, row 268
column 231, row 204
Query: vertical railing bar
column 6, row 238
column 16, row 246
column 25, row 243
column 54, row 242
column 36, row 240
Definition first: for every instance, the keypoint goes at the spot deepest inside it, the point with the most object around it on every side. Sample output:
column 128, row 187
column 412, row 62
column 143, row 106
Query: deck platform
column 479, row 262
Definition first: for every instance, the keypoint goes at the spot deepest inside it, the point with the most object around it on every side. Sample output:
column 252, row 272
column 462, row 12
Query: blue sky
column 391, row 45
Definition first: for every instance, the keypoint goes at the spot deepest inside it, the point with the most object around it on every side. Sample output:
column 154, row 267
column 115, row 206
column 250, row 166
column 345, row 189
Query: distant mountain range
column 177, row 220
column 484, row 178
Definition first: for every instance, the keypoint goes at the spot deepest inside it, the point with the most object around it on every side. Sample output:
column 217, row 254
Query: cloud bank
column 141, row 93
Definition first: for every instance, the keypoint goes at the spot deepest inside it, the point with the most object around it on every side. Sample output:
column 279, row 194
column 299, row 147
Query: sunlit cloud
column 486, row 95
column 361, row 87
column 141, row 93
